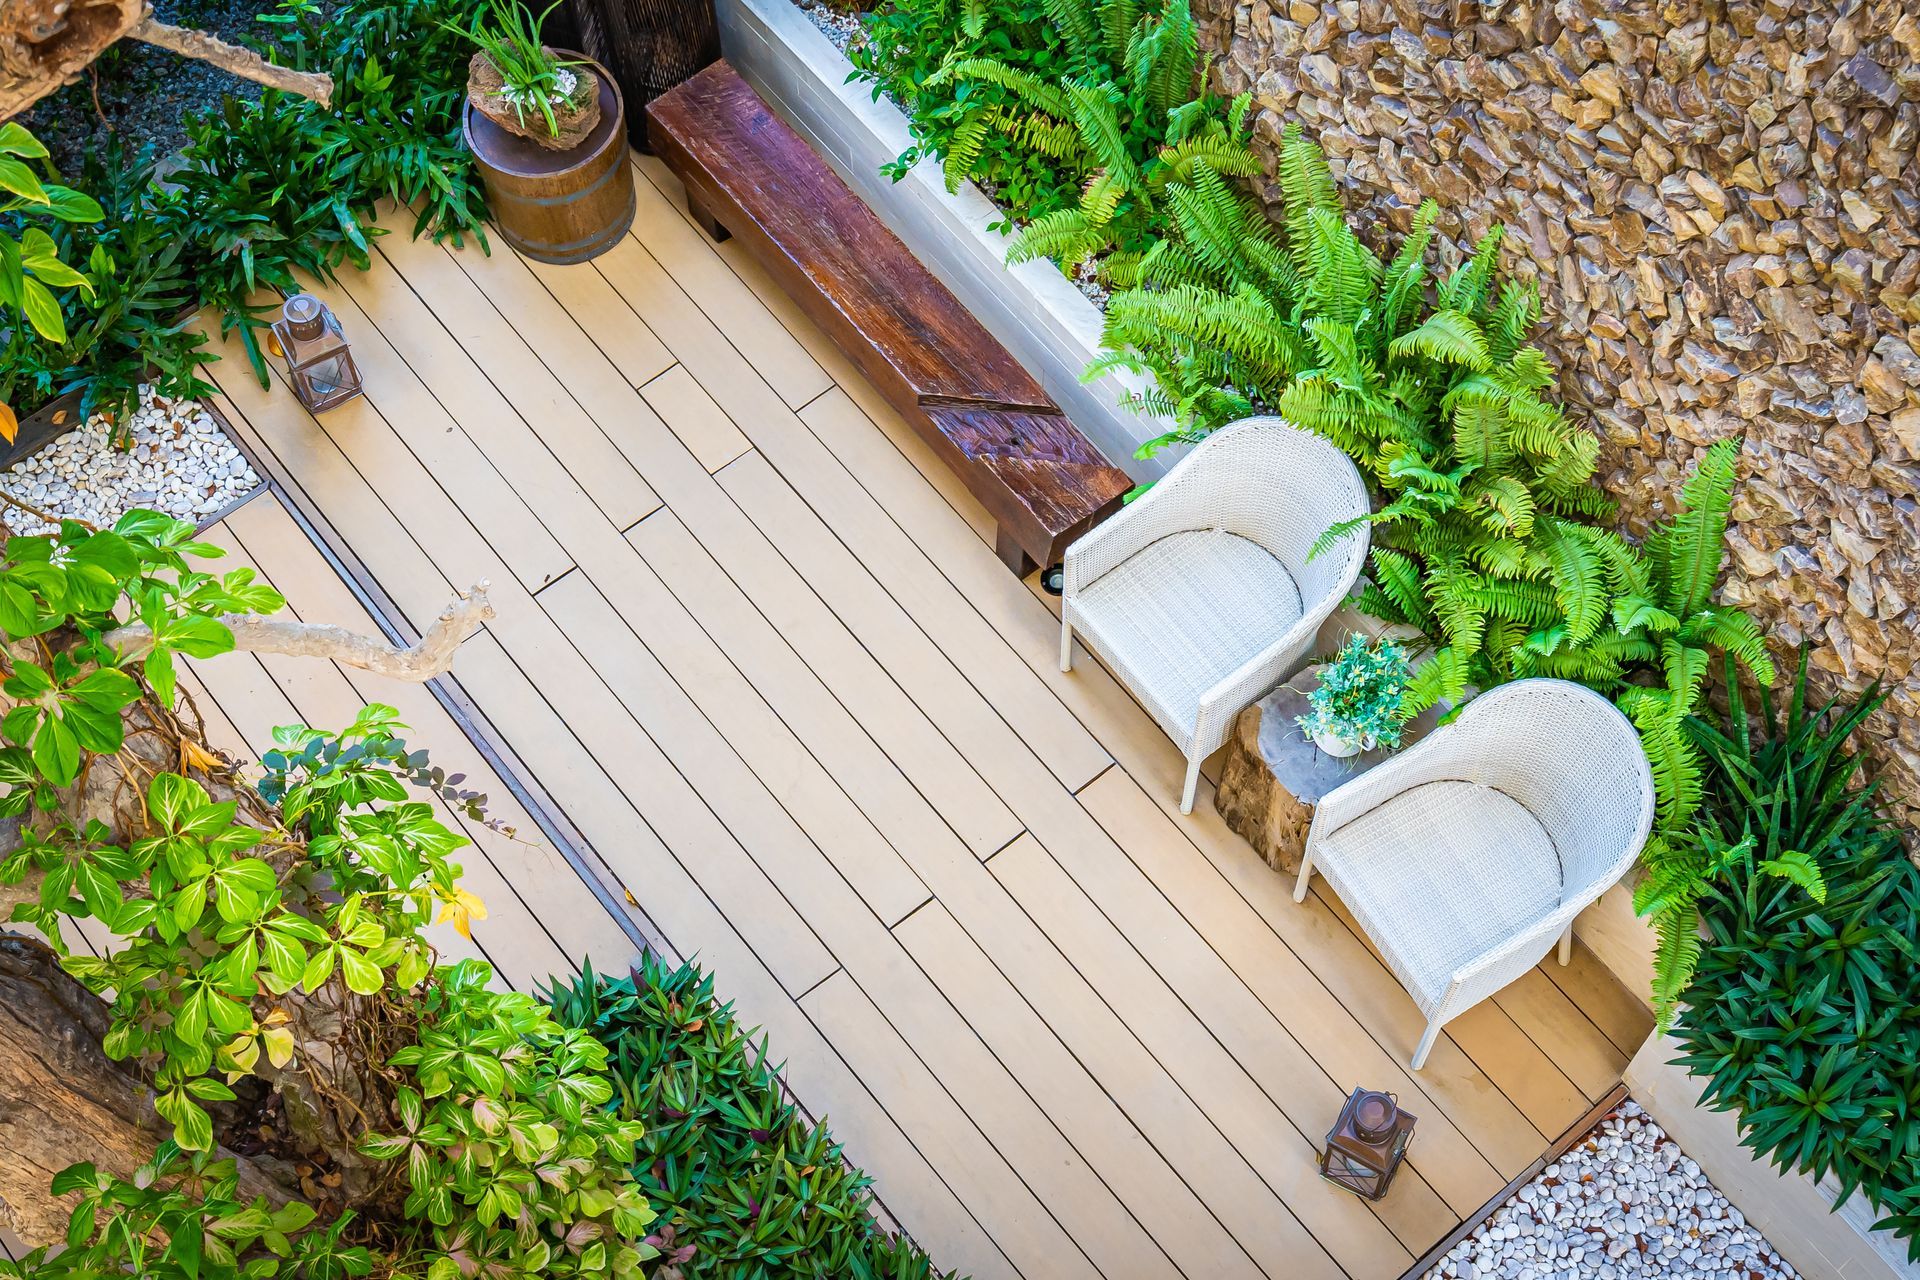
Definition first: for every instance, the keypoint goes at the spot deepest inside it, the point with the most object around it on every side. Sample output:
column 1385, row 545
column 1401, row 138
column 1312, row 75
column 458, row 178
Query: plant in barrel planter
column 1357, row 704
column 547, row 129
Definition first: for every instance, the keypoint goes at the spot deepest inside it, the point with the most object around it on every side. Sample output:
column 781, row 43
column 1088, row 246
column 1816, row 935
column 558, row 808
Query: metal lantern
column 1367, row 1144
column 319, row 364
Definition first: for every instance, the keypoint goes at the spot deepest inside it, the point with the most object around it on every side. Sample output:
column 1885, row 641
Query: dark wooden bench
column 749, row 175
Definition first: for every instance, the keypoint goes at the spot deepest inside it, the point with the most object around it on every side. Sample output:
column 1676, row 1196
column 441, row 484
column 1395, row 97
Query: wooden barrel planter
column 558, row 206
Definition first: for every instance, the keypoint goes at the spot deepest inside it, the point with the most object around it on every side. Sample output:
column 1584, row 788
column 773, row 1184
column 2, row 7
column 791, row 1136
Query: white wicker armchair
column 1200, row 596
column 1464, row 858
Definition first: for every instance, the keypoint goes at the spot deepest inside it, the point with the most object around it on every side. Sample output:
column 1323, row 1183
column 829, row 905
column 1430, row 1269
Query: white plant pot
column 1339, row 745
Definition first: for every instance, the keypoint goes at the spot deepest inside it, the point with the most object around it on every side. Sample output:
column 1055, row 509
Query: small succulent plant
column 1360, row 694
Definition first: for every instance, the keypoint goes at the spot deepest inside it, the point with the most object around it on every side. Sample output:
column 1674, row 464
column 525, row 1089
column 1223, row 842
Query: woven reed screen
column 649, row 45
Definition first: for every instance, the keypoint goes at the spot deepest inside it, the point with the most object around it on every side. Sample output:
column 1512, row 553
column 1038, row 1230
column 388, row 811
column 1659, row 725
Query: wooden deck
column 754, row 645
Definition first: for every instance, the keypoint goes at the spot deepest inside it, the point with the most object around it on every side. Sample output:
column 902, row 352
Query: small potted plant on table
column 1357, row 704
column 548, row 133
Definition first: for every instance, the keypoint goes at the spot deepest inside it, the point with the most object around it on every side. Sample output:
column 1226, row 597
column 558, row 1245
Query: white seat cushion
column 1441, row 874
column 1183, row 613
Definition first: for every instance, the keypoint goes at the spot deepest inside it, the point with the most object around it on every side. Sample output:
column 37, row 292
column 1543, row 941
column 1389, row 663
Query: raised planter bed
column 1796, row 1213
column 41, row 427
column 1032, row 309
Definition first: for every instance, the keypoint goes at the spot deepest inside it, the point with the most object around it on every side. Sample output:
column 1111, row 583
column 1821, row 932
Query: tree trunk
column 63, row 1101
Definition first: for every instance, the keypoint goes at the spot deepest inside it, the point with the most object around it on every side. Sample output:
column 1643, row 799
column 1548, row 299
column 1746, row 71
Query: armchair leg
column 1305, row 878
column 1193, row 784
column 1426, row 1044
column 1566, row 945
column 1066, row 642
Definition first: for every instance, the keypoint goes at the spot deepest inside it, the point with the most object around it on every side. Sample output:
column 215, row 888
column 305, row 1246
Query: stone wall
column 1720, row 204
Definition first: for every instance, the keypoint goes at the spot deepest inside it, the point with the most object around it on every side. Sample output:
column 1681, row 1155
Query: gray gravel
column 145, row 91
column 844, row 29
column 1624, row 1204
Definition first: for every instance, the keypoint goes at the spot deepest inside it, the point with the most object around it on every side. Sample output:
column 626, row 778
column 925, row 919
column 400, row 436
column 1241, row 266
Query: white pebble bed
column 179, row 462
column 1623, row 1204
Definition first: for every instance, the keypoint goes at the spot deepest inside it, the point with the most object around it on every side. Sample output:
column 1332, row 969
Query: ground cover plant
column 1805, row 1002
column 1078, row 114
column 273, row 977
column 743, row 1185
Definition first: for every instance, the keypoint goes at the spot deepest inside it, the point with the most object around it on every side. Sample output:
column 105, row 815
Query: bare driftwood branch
column 244, row 63
column 432, row 656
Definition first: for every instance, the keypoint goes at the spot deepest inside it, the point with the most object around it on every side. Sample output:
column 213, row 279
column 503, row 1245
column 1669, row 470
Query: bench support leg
column 1011, row 554
column 704, row 217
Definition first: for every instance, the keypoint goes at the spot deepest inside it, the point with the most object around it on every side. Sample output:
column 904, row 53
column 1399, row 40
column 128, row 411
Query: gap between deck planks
column 806, row 694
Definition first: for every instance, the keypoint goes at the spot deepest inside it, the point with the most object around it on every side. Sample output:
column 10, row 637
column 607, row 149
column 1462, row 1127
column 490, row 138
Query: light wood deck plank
column 1332, row 1035
column 1225, row 1010
column 671, row 806
column 690, row 412
column 991, row 1003
column 816, row 1072
column 779, row 764
column 604, row 314
column 1345, row 1225
column 882, row 705
column 556, row 900
column 890, row 466
column 868, row 952
column 546, row 445
column 689, row 256
column 1024, row 1229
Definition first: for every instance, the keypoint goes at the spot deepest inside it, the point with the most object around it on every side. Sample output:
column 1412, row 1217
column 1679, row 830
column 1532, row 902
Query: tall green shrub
column 1804, row 1009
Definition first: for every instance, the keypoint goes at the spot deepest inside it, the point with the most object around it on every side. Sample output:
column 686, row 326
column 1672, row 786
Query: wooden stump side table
column 1274, row 775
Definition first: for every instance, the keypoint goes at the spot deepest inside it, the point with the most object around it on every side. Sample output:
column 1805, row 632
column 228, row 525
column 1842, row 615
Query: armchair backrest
column 1571, row 758
column 1280, row 486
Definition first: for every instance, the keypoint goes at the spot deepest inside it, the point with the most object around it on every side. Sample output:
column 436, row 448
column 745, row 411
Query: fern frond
column 1305, row 182
column 1400, row 287
column 1118, row 19
column 1078, row 24
column 964, row 149
column 1579, row 577
column 1397, row 578
column 1504, row 504
column 1095, row 109
column 1339, row 273
column 1450, row 337
column 1736, row 632
column 1442, row 678
column 1693, row 543
column 1676, row 955
column 1043, row 95
column 1212, row 150
column 1162, row 57
column 1466, row 289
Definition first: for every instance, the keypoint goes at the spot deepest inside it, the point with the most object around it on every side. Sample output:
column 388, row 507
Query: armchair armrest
column 1448, row 754
column 1160, row 511
column 1220, row 704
